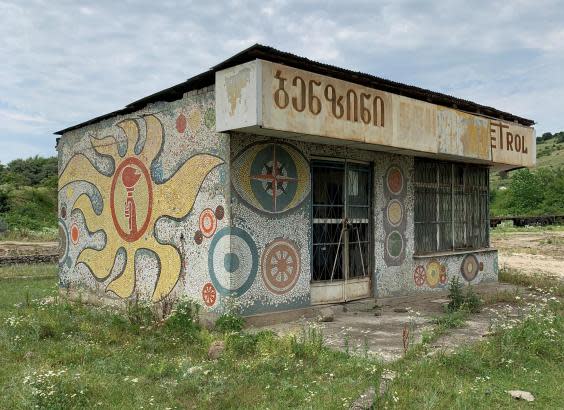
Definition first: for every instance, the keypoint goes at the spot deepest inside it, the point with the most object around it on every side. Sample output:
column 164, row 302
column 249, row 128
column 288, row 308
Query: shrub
column 229, row 322
column 184, row 318
column 459, row 300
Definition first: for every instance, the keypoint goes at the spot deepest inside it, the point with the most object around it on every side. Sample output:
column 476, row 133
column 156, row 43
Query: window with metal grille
column 451, row 206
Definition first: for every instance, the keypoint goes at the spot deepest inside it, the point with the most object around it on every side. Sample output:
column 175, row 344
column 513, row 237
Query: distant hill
column 535, row 192
column 28, row 198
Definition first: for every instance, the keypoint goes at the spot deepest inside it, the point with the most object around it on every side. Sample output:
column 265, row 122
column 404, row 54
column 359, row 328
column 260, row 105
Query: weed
column 451, row 320
column 140, row 313
column 229, row 322
column 460, row 300
column 184, row 318
column 310, row 344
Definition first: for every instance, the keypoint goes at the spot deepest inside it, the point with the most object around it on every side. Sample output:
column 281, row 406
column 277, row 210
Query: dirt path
column 535, row 252
column 13, row 248
column 358, row 331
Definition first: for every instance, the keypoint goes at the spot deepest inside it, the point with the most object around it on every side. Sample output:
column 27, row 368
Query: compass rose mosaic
column 271, row 177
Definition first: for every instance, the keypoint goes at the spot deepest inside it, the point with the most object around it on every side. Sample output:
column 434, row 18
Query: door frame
column 348, row 288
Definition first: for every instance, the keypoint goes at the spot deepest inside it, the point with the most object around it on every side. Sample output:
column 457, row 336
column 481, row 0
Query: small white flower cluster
column 47, row 384
column 13, row 321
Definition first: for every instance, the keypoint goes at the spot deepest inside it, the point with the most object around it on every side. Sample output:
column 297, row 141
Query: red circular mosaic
column 395, row 180
column 280, row 266
column 74, row 234
column 129, row 176
column 208, row 222
column 419, row 275
column 181, row 123
column 209, row 295
column 219, row 212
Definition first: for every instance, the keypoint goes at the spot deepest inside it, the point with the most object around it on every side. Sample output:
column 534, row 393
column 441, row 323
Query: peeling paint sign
column 512, row 144
column 268, row 98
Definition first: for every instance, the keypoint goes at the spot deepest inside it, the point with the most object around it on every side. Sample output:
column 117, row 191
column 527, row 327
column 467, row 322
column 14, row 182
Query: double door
column 341, row 262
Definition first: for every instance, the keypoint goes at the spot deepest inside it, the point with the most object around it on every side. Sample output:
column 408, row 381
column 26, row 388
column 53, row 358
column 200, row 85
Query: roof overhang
column 269, row 98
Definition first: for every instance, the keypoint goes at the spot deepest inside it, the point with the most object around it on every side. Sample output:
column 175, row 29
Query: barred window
column 451, row 206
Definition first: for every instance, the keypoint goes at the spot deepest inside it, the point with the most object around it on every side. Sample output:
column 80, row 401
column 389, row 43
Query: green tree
column 527, row 193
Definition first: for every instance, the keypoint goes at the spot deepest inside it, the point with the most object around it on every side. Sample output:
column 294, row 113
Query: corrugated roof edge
column 276, row 56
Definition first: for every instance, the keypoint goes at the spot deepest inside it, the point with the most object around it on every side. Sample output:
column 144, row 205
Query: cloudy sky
column 64, row 62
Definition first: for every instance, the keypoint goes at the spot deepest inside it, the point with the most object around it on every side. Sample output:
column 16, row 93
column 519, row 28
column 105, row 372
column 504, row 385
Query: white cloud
column 64, row 62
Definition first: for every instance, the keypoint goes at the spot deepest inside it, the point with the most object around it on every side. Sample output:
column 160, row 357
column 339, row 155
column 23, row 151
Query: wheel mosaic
column 419, row 275
column 394, row 180
column 209, row 294
column 272, row 178
column 280, row 265
column 394, row 212
column 232, row 261
column 469, row 267
column 394, row 244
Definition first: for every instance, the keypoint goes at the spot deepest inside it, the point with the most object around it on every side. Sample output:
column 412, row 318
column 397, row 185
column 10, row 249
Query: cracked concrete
column 359, row 331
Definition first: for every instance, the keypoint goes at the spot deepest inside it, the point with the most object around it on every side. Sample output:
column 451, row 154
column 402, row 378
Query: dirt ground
column 531, row 252
column 13, row 248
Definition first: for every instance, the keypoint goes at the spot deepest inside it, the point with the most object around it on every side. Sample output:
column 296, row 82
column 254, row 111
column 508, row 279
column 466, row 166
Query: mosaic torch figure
column 130, row 177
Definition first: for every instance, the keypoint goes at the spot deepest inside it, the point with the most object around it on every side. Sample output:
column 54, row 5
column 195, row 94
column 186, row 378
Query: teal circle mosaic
column 232, row 261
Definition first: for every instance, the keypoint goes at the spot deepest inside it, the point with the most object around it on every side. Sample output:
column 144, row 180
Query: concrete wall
column 154, row 242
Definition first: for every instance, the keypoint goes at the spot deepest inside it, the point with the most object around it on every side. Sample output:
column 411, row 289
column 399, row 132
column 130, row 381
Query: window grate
column 451, row 206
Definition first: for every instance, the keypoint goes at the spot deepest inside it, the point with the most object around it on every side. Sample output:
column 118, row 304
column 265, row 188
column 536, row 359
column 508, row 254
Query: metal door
column 341, row 259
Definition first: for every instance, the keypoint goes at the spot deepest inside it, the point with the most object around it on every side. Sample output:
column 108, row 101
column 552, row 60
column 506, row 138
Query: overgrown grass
column 47, row 234
column 60, row 355
column 28, row 271
column 526, row 355
column 540, row 281
column 507, row 227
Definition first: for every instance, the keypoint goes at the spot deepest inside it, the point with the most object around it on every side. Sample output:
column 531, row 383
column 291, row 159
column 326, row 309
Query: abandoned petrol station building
column 272, row 182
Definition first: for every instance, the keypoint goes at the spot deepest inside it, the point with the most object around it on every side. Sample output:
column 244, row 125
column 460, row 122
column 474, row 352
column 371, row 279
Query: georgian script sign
column 296, row 99
column 317, row 97
column 272, row 99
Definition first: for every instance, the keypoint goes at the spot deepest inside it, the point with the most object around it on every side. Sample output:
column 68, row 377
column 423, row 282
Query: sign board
column 260, row 96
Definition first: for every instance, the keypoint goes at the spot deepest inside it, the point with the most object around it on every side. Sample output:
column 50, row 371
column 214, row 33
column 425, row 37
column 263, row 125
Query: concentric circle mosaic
column 232, row 261
column 394, row 212
column 394, row 180
column 433, row 273
column 470, row 267
column 280, row 266
column 63, row 242
column 208, row 222
column 394, row 244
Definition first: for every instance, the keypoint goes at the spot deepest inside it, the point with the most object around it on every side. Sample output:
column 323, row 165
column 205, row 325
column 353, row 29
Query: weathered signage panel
column 299, row 101
column 262, row 95
column 512, row 144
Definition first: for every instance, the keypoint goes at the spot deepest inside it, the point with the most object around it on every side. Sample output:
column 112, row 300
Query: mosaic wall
column 142, row 199
column 393, row 215
column 158, row 205
column 435, row 272
column 270, row 238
